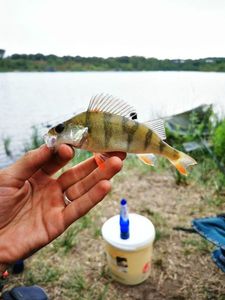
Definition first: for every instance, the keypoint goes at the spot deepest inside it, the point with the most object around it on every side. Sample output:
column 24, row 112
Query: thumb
column 30, row 162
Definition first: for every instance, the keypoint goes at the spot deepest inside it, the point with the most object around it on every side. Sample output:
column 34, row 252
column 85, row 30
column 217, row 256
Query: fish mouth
column 50, row 140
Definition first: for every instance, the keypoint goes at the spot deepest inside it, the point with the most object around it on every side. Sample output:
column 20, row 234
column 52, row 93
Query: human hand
column 32, row 207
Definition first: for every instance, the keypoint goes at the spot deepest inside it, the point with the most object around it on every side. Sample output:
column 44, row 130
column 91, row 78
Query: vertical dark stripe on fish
column 162, row 145
column 124, row 121
column 107, row 128
column 88, row 121
column 130, row 130
column 175, row 154
column 148, row 138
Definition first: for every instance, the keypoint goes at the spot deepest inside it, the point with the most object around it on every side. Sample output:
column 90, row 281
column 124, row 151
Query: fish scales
column 119, row 133
column 108, row 129
column 108, row 132
column 96, row 136
column 115, row 133
column 108, row 126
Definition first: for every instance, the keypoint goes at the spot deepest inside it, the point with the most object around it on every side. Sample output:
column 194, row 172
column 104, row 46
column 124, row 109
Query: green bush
column 35, row 141
column 6, row 142
column 219, row 141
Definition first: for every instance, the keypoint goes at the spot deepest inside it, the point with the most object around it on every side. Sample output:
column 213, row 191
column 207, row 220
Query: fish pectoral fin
column 148, row 159
column 100, row 159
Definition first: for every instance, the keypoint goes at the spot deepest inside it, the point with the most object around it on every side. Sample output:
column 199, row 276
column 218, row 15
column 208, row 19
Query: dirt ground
column 182, row 267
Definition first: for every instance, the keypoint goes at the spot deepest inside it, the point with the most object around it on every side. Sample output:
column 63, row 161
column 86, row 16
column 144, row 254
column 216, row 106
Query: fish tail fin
column 183, row 162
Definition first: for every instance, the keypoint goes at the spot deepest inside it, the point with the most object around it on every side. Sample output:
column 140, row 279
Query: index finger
column 30, row 162
column 58, row 160
column 82, row 170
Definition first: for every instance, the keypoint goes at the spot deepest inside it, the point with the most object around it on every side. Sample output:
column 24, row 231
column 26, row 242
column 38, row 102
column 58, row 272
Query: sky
column 151, row 28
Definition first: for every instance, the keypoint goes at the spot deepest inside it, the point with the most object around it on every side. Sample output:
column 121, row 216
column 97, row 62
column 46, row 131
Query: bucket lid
column 142, row 232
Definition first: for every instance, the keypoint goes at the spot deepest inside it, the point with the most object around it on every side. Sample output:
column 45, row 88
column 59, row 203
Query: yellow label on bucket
column 129, row 260
column 129, row 267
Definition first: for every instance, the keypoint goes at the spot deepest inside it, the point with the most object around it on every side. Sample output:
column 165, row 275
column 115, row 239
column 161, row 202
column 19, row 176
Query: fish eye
column 59, row 128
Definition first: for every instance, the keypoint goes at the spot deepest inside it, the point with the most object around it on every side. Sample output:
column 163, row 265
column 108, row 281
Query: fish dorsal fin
column 110, row 104
column 158, row 127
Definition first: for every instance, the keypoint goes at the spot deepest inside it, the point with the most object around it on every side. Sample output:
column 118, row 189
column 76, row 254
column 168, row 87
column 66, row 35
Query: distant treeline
column 40, row 62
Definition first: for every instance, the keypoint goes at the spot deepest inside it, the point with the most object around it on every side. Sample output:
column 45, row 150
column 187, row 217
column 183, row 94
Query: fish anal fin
column 148, row 159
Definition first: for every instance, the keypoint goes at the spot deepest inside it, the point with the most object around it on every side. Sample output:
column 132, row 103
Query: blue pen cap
column 124, row 220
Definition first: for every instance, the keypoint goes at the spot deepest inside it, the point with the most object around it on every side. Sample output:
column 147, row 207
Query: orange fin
column 183, row 162
column 181, row 169
column 148, row 159
column 100, row 159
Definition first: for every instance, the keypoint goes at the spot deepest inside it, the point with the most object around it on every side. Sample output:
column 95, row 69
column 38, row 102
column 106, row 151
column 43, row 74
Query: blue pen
column 124, row 220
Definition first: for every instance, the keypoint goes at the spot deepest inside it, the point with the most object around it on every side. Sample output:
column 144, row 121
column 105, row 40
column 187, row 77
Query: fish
column 110, row 125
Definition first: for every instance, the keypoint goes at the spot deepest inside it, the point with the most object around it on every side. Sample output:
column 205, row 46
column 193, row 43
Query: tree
column 2, row 52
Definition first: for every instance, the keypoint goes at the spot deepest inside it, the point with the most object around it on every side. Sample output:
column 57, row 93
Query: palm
column 32, row 209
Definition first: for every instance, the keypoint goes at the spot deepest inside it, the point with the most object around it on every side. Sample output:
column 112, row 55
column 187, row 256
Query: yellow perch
column 108, row 126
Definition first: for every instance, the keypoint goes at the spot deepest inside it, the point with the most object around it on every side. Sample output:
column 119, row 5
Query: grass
column 42, row 274
column 79, row 287
column 216, row 201
column 75, row 285
column 212, row 294
column 74, row 267
column 159, row 223
column 68, row 239
column 196, row 244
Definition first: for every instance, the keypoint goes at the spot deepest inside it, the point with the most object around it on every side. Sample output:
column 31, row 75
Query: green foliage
column 215, row 202
column 201, row 127
column 76, row 285
column 211, row 157
column 219, row 141
column 42, row 274
column 220, row 182
column 50, row 63
column 194, row 244
column 35, row 141
column 68, row 239
column 159, row 222
column 7, row 142
column 2, row 52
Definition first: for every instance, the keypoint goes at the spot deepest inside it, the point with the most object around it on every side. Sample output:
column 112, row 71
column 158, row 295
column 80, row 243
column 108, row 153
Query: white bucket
column 129, row 260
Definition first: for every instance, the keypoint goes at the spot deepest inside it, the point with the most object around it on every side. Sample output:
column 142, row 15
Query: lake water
column 38, row 99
